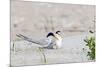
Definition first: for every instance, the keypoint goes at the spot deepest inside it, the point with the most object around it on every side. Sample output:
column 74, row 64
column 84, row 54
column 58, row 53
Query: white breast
column 58, row 41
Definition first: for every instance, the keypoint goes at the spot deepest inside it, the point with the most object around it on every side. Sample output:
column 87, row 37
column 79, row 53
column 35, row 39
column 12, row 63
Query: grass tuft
column 90, row 42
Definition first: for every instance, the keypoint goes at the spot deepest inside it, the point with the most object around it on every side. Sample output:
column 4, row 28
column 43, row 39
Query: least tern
column 58, row 39
column 52, row 41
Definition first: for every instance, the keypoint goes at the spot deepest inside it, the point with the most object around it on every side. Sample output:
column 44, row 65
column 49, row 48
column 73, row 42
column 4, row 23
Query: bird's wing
column 40, row 42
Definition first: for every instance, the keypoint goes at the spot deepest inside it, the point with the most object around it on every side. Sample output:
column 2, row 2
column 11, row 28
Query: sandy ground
column 25, row 53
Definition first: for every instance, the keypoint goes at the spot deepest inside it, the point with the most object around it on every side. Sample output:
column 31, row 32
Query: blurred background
column 36, row 19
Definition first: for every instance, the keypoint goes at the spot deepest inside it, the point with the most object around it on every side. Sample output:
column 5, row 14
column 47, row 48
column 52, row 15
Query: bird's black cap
column 50, row 34
column 57, row 32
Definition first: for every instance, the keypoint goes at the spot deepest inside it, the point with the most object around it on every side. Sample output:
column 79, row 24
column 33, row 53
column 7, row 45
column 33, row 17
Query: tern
column 52, row 41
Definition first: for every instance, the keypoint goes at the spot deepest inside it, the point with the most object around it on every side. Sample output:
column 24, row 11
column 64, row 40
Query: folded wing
column 43, row 42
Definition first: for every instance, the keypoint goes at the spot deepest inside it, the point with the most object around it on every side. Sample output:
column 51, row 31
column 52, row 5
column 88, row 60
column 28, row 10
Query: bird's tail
column 26, row 38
